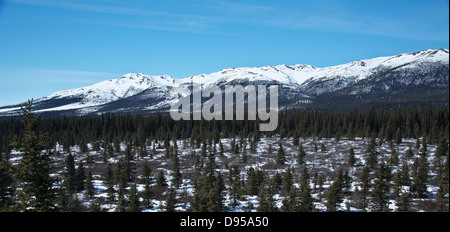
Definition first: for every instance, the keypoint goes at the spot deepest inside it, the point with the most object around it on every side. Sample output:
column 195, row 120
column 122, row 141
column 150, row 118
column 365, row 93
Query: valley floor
column 324, row 158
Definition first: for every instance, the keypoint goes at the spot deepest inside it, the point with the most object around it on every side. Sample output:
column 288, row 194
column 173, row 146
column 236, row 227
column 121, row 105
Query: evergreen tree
column 409, row 153
column 442, row 198
column 394, row 160
column 80, row 177
column 381, row 188
column 147, row 194
column 171, row 200
column 287, row 182
column 6, row 182
column 291, row 202
column 109, row 182
column 254, row 181
column 177, row 178
column 266, row 201
column 134, row 204
column 365, row 189
column 404, row 203
column 334, row 196
column 70, row 173
column 90, row 185
column 216, row 195
column 301, row 154
column 161, row 179
column 420, row 180
column 305, row 198
column 36, row 192
column 234, row 180
column 281, row 158
column 221, row 149
column 351, row 157
column 372, row 154
column 398, row 136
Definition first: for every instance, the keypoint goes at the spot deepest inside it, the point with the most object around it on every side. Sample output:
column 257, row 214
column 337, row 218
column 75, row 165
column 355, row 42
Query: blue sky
column 51, row 45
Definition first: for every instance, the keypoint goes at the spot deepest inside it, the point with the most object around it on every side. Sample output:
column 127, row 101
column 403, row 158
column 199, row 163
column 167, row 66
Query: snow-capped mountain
column 414, row 77
column 330, row 79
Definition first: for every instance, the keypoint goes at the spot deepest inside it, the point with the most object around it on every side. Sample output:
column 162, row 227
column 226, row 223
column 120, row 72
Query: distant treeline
column 431, row 123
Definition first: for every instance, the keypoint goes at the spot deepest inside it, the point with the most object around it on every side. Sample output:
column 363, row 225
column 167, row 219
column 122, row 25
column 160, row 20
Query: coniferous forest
column 360, row 161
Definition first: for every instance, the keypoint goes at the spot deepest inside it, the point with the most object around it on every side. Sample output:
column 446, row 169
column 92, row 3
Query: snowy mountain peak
column 141, row 78
column 138, row 91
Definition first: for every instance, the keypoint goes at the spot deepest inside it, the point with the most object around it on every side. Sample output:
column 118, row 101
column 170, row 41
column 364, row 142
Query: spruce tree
column 381, row 188
column 147, row 194
column 334, row 196
column 161, row 179
column 6, row 184
column 351, row 157
column 404, row 203
column 90, row 190
column 216, row 195
column 420, row 180
column 177, row 178
column 36, row 192
column 134, row 204
column 109, row 182
column 305, row 198
column 70, row 173
column 287, row 182
column 80, row 177
column 171, row 200
column 281, row 158
column 266, row 201
column 372, row 154
column 365, row 189
column 301, row 154
column 291, row 203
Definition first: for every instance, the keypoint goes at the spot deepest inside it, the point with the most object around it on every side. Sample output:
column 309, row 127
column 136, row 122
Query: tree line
column 432, row 123
column 29, row 186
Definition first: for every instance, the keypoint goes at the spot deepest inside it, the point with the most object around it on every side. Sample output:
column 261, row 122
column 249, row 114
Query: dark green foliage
column 365, row 180
column 109, row 182
column 6, row 182
column 281, row 158
column 209, row 196
column 177, row 178
column 413, row 121
column 351, row 157
column 301, row 154
column 372, row 154
column 254, row 181
column 420, row 179
column 161, row 179
column 108, row 131
column 80, row 177
column 34, row 168
column 334, row 195
column 70, row 173
column 171, row 200
column 90, row 190
column 133, row 204
column 381, row 188
column 305, row 197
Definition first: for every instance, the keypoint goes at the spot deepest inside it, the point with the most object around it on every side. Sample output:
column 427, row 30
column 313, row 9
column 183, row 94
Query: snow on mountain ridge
column 300, row 78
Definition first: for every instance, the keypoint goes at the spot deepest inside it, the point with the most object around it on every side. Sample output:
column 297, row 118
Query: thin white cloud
column 136, row 17
column 80, row 6
column 317, row 16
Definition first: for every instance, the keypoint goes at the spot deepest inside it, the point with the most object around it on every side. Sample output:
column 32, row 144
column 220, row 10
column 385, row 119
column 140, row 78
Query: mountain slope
column 421, row 77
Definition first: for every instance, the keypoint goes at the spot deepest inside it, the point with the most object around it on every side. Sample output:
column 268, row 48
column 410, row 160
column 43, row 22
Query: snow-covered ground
column 323, row 157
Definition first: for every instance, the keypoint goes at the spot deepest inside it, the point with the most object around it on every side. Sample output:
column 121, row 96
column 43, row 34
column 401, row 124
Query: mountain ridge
column 141, row 93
